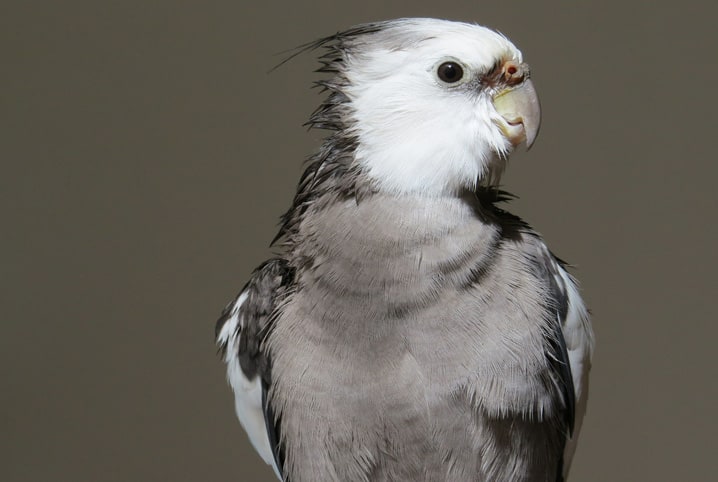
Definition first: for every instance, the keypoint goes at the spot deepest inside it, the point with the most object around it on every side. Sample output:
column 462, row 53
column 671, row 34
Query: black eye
column 450, row 72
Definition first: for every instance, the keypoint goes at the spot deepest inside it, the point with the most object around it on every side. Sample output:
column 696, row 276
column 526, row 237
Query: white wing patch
column 247, row 393
column 578, row 336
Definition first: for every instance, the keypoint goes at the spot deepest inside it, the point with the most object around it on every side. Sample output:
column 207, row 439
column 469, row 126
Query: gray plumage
column 403, row 337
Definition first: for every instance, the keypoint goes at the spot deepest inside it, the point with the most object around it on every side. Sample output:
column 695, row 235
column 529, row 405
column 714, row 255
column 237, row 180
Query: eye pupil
column 450, row 72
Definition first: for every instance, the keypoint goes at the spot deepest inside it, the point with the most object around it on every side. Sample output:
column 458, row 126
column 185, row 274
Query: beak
column 519, row 106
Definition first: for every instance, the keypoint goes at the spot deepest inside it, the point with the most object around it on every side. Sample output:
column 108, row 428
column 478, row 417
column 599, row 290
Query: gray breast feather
column 434, row 342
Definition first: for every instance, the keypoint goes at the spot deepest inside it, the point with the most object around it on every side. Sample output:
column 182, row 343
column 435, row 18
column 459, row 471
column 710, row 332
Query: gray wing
column 240, row 332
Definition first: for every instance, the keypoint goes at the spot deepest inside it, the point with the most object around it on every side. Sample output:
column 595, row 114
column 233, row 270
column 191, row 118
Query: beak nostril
column 512, row 73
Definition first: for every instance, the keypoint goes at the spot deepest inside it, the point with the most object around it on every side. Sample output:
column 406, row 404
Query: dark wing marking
column 557, row 344
column 273, row 425
column 557, row 353
column 253, row 312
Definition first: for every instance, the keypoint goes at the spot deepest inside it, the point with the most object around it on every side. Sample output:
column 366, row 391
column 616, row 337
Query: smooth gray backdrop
column 146, row 155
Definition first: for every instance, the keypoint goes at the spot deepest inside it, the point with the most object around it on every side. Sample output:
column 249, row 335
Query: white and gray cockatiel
column 411, row 330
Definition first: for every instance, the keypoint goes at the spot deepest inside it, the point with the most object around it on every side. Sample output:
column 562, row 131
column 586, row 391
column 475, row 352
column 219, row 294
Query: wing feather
column 240, row 332
column 569, row 344
column 578, row 339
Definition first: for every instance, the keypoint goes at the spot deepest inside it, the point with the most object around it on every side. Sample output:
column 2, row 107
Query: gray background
column 146, row 155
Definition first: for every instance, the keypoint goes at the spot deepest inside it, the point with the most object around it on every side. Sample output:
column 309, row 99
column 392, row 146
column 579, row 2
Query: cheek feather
column 430, row 147
column 430, row 143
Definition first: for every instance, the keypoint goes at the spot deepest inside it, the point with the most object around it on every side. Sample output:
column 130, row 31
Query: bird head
column 432, row 106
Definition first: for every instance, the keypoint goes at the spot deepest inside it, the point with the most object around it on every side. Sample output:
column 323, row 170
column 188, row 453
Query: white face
column 418, row 133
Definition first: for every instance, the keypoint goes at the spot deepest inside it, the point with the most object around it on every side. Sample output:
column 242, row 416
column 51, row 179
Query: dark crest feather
column 333, row 42
column 330, row 170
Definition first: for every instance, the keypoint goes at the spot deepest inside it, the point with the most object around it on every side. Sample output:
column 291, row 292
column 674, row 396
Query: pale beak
column 520, row 108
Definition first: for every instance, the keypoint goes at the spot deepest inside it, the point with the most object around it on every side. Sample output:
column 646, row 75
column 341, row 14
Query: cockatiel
column 411, row 330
